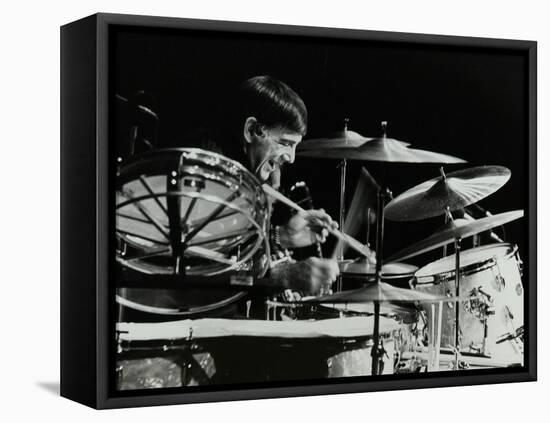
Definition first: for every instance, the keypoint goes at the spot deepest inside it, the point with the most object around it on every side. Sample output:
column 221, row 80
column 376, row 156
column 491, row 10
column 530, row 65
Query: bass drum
column 223, row 351
column 491, row 324
column 193, row 212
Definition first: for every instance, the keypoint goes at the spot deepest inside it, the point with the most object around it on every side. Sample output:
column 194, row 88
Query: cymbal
column 458, row 228
column 364, row 267
column 381, row 150
column 381, row 292
column 454, row 191
column 338, row 139
column 368, row 308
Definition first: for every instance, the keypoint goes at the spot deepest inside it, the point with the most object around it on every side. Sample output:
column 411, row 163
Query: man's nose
column 289, row 156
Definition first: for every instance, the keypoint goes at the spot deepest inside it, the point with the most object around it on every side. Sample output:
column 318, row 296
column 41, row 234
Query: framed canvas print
column 255, row 211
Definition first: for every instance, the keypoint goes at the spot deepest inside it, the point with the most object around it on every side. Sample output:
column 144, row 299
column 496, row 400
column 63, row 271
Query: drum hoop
column 202, row 156
column 471, row 269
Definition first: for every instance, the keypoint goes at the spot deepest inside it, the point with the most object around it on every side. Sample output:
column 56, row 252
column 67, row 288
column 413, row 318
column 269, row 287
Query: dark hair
column 272, row 103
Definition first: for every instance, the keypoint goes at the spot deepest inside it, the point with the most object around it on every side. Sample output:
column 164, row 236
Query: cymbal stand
column 343, row 168
column 383, row 195
column 458, row 246
column 448, row 215
column 458, row 242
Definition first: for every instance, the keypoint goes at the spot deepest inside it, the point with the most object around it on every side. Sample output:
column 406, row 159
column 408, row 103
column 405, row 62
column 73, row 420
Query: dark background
column 470, row 103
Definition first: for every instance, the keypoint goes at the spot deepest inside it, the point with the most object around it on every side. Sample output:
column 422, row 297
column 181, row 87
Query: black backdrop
column 470, row 103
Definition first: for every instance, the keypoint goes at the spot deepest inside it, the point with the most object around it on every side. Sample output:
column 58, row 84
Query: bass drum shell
column 494, row 271
column 224, row 351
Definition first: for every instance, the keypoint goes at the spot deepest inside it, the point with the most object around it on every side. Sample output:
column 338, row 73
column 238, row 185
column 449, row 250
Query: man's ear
column 251, row 129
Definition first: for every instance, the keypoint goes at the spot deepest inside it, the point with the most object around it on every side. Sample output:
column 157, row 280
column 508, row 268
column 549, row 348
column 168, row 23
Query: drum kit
column 191, row 215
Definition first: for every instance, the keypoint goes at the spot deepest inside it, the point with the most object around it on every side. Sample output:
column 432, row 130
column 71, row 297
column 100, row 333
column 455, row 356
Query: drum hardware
column 517, row 334
column 469, row 360
column 342, row 214
column 117, row 339
column 382, row 196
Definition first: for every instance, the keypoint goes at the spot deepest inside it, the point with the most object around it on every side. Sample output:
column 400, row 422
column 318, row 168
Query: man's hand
column 312, row 276
column 304, row 229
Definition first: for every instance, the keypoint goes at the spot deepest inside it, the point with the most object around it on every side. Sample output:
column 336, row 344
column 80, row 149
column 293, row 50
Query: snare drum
column 193, row 212
column 492, row 321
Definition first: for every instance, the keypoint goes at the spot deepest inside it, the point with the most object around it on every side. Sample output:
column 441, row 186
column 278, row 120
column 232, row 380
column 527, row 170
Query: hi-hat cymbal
column 453, row 191
column 380, row 292
column 364, row 267
column 458, row 228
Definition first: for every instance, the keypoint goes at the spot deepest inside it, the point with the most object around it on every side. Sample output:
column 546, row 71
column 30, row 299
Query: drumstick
column 352, row 242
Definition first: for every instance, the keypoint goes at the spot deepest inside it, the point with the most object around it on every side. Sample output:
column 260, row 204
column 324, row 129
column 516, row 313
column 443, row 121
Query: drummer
column 266, row 122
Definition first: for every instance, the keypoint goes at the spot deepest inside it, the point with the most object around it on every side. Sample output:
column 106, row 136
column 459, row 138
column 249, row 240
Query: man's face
column 270, row 149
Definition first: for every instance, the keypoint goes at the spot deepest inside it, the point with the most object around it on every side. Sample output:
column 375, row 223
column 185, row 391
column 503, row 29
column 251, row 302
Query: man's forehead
column 291, row 136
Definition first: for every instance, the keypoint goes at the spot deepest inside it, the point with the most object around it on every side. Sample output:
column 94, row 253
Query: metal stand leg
column 458, row 242
column 382, row 195
column 343, row 168
column 375, row 338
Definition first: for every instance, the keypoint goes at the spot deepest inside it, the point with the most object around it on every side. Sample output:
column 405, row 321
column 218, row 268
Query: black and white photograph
column 255, row 211
column 302, row 209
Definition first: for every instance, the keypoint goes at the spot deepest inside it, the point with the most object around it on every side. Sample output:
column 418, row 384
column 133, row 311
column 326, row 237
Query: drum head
column 469, row 259
column 213, row 205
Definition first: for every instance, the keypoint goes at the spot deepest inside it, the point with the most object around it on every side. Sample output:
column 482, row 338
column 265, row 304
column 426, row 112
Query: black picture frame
column 86, row 173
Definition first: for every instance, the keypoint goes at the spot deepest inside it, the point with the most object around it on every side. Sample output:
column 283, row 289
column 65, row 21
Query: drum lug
column 499, row 283
column 519, row 262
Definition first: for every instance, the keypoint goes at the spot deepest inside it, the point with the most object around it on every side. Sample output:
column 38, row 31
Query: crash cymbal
column 453, row 191
column 366, row 268
column 339, row 139
column 382, row 150
column 380, row 292
column 458, row 228
column 345, row 139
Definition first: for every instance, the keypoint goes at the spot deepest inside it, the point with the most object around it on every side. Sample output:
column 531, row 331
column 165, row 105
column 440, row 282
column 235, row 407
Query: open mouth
column 266, row 169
